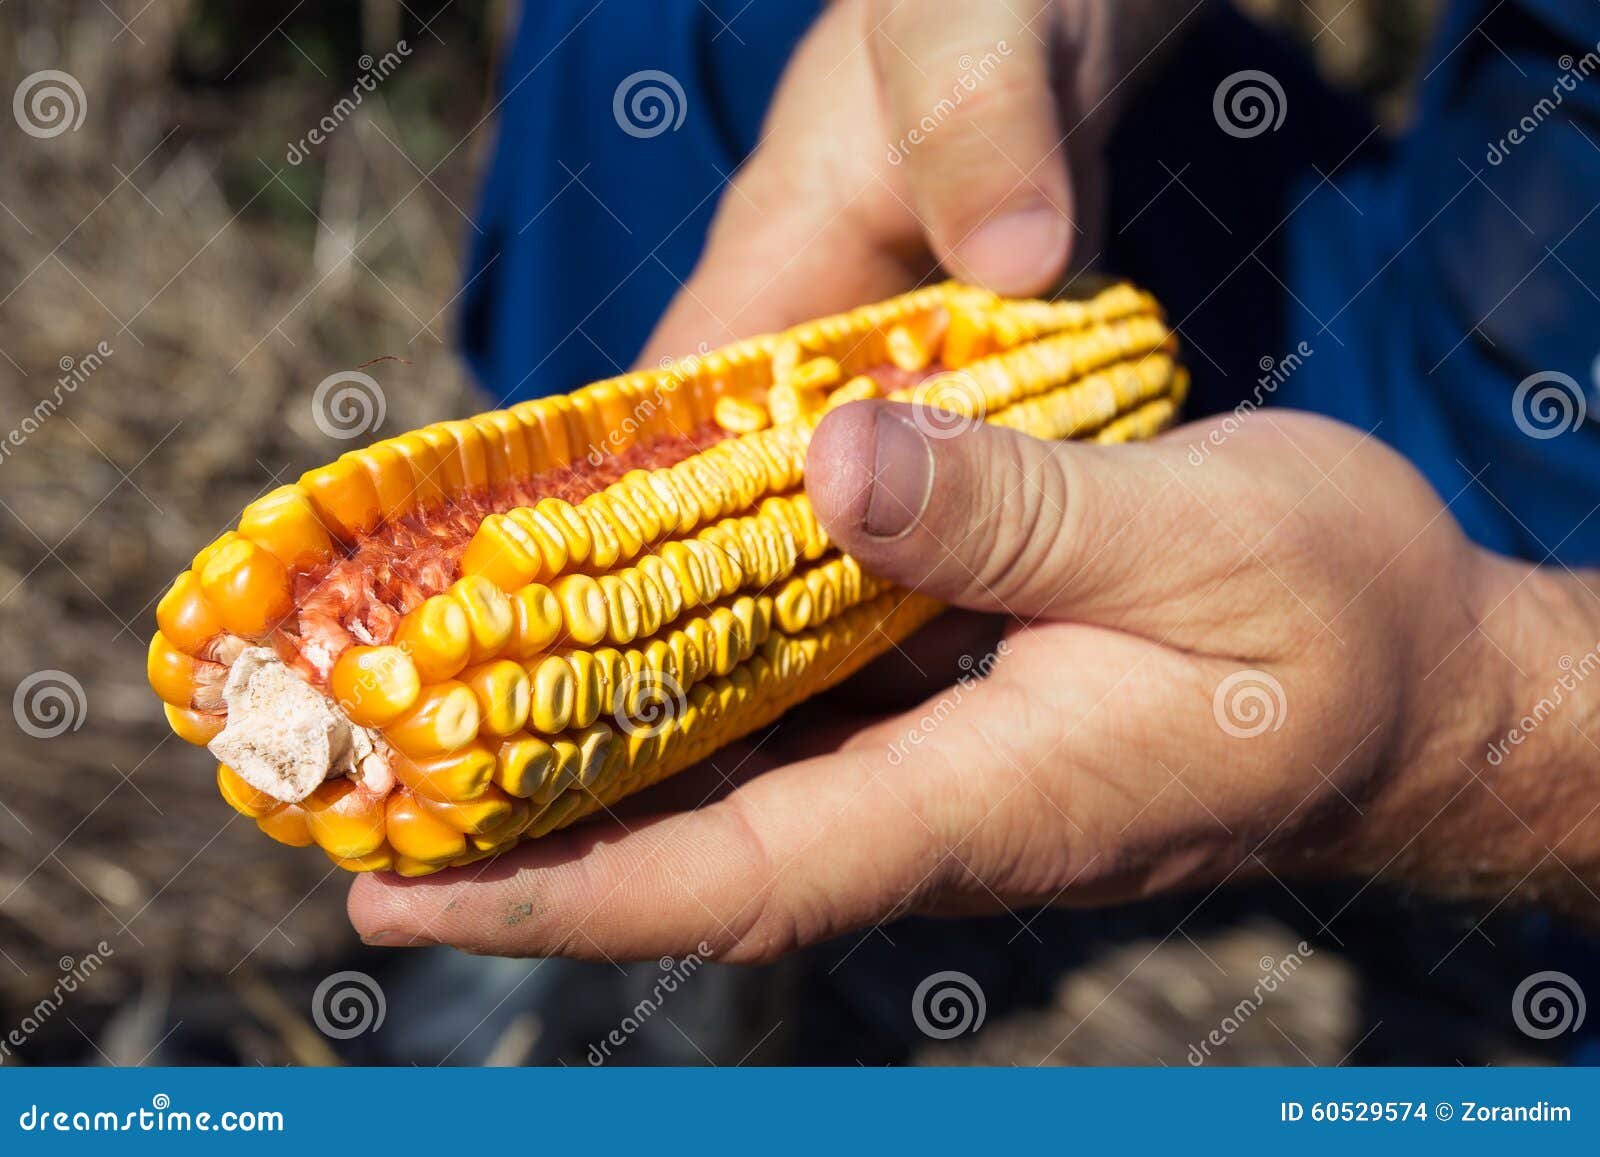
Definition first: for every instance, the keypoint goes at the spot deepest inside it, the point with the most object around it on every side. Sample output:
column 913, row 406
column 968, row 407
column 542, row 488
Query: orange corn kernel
column 444, row 719
column 248, row 587
column 375, row 685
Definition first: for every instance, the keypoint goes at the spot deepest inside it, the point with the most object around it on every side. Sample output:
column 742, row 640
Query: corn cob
column 484, row 630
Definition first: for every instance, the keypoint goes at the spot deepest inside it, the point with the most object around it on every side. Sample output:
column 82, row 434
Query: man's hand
column 908, row 134
column 1232, row 652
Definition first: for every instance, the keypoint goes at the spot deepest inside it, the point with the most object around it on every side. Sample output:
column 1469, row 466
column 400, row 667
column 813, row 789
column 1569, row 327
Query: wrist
column 1488, row 791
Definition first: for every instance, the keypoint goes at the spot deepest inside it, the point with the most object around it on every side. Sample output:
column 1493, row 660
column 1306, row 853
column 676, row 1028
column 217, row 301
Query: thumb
column 994, row 520
column 973, row 120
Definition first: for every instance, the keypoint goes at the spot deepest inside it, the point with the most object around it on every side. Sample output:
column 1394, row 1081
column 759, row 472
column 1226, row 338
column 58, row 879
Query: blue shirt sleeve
column 619, row 123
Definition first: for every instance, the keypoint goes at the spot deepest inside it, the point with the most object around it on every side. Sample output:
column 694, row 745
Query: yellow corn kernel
column 819, row 373
column 392, row 480
column 184, row 616
column 459, row 775
column 966, row 339
column 177, row 678
column 344, row 498
column 375, row 685
column 196, row 727
column 284, row 523
column 444, row 718
column 486, row 813
column 627, row 525
column 535, row 621
column 585, row 613
column 563, row 774
column 287, row 825
column 381, row 860
column 555, row 690
column 437, row 636
column 243, row 798
column 588, row 687
column 858, row 389
column 345, row 818
column 248, row 587
column 914, row 343
column 622, row 609
column 488, row 616
column 740, row 416
column 522, row 763
column 661, row 579
column 789, row 401
column 793, row 606
column 416, row 833
column 504, row 694
column 502, row 552
column 570, row 525
column 545, row 537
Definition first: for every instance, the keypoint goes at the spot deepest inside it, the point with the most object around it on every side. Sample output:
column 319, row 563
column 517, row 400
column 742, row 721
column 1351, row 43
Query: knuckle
column 1028, row 524
column 760, row 927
